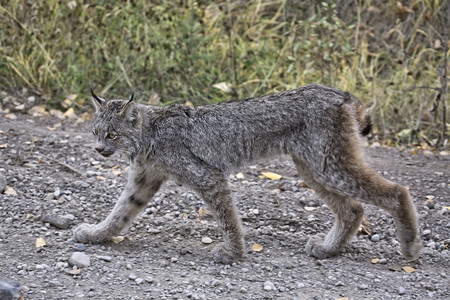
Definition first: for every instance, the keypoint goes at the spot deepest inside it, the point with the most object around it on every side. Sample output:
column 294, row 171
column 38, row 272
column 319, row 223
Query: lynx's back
column 234, row 133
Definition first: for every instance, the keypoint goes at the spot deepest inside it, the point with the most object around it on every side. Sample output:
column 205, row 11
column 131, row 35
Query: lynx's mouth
column 106, row 153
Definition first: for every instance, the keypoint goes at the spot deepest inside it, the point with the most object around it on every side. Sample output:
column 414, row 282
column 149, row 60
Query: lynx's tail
column 362, row 115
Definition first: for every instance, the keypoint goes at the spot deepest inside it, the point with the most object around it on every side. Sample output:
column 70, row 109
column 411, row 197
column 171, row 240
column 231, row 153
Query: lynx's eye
column 95, row 131
column 111, row 136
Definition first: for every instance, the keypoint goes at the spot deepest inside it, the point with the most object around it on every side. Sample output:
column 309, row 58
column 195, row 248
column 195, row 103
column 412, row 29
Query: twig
column 64, row 165
column 419, row 118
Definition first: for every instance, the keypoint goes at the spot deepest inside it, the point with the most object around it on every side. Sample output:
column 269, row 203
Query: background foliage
column 387, row 53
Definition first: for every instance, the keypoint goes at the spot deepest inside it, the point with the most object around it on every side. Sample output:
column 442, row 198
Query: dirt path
column 52, row 170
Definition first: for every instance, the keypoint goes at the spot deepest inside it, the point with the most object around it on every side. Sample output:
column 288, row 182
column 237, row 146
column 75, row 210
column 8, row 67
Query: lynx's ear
column 126, row 105
column 99, row 103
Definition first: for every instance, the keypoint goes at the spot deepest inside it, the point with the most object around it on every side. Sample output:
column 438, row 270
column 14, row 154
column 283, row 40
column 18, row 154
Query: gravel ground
column 54, row 181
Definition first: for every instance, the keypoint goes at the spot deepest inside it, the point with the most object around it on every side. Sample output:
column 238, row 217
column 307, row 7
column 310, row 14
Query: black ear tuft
column 98, row 102
column 131, row 98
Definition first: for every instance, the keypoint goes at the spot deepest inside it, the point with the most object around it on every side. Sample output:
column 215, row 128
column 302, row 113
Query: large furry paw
column 89, row 233
column 315, row 247
column 411, row 250
column 225, row 256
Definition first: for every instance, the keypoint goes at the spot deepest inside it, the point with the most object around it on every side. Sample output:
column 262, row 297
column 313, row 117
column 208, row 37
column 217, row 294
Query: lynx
column 317, row 126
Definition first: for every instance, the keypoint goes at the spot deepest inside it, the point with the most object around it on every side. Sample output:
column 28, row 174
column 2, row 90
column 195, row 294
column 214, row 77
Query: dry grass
column 174, row 51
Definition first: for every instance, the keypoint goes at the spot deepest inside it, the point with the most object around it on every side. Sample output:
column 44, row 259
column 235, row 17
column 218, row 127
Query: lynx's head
column 117, row 126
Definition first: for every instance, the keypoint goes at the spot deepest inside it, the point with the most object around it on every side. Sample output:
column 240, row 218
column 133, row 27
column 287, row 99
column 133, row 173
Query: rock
column 105, row 258
column 132, row 276
column 375, row 238
column 57, row 221
column 426, row 232
column 206, row 240
column 80, row 247
column 401, row 290
column 57, row 193
column 9, row 290
column 2, row 183
column 362, row 286
column 269, row 286
column 80, row 260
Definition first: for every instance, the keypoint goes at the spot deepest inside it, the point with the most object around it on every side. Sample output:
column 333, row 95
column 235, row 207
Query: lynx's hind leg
column 348, row 215
column 347, row 174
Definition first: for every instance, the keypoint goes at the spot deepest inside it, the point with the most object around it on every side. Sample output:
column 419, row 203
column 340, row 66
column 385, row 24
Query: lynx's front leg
column 138, row 191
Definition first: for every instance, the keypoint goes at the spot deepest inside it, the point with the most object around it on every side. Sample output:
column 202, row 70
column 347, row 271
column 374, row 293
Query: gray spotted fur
column 198, row 146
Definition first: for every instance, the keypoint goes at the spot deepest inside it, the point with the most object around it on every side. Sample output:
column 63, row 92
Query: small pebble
column 401, row 290
column 375, row 238
column 132, row 276
column 80, row 247
column 105, row 258
column 362, row 286
column 80, row 260
column 269, row 286
column 426, row 232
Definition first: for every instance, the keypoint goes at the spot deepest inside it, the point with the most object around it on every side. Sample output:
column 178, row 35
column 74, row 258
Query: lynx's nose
column 99, row 149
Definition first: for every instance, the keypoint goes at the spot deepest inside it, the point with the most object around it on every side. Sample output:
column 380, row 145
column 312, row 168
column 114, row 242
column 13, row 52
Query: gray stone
column 80, row 260
column 80, row 247
column 401, row 290
column 9, row 290
column 269, row 286
column 105, row 258
column 2, row 183
column 375, row 238
column 57, row 221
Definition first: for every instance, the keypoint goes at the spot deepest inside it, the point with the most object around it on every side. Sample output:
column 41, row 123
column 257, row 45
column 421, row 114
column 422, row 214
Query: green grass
column 176, row 51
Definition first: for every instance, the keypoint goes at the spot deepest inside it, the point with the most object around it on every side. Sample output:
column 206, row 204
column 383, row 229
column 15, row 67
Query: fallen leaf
column 10, row 191
column 51, row 128
column 257, row 247
column 70, row 113
column 309, row 208
column 74, row 272
column 429, row 197
column 185, row 216
column 223, row 86
column 29, row 216
column 37, row 111
column 11, row 116
column 101, row 177
column 116, row 172
column 374, row 260
column 69, row 100
column 446, row 207
column 117, row 239
column 272, row 176
column 202, row 212
column 206, row 240
column 2, row 132
column 189, row 103
column 303, row 184
column 408, row 269
column 363, row 229
column 342, row 298
column 85, row 116
column 40, row 242
column 3, row 146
